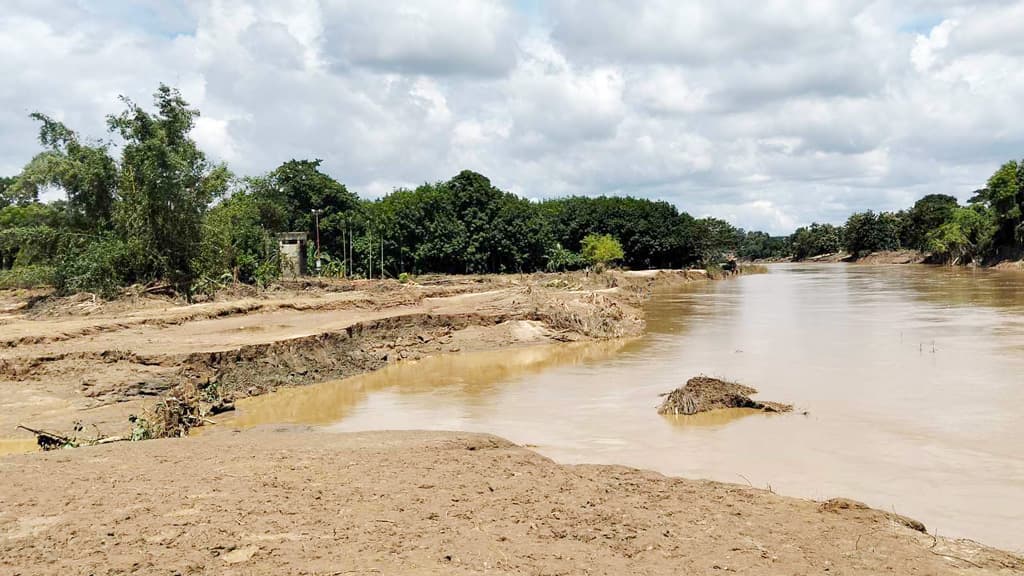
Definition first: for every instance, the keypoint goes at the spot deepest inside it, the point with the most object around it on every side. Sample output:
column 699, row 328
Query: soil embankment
column 81, row 360
column 291, row 501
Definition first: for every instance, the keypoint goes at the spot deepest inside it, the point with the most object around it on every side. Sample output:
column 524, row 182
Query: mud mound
column 702, row 394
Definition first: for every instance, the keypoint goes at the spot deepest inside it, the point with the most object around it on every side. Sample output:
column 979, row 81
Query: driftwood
column 53, row 441
column 48, row 440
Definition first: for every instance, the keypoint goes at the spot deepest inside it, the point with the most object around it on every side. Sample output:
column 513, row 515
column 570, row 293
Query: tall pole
column 382, row 257
column 316, row 215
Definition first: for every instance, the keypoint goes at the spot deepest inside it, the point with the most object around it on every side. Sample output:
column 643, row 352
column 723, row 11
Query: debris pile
column 702, row 394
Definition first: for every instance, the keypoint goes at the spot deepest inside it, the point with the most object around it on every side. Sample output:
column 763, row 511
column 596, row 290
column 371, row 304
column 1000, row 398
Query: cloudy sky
column 769, row 114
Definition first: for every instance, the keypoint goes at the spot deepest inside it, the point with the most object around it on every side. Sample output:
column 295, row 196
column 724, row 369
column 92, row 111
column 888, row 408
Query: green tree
column 235, row 243
column 867, row 232
column 756, row 245
column 926, row 216
column 85, row 173
column 288, row 195
column 7, row 190
column 1004, row 199
column 601, row 249
column 815, row 240
column 714, row 239
column 166, row 186
column 30, row 233
column 960, row 239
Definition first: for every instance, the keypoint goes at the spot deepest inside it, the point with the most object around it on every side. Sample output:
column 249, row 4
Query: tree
column 960, row 238
column 85, row 173
column 601, row 249
column 235, row 243
column 761, row 246
column 713, row 239
column 815, row 240
column 288, row 195
column 166, row 186
column 927, row 215
column 867, row 232
column 1004, row 199
column 6, row 190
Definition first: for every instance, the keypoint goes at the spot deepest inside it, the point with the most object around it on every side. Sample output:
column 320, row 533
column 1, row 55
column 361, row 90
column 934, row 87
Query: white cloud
column 770, row 114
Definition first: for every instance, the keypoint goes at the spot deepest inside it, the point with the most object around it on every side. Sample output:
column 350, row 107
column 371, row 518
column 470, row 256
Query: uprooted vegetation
column 703, row 394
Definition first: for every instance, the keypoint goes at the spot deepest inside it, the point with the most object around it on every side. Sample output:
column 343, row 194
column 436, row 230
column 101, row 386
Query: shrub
column 33, row 276
column 97, row 265
column 601, row 249
column 560, row 259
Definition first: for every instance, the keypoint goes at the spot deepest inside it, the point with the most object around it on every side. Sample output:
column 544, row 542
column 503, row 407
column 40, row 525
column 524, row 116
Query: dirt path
column 289, row 501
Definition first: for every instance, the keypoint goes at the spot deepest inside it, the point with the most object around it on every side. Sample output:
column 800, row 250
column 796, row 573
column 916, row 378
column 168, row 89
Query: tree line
column 152, row 208
column 990, row 227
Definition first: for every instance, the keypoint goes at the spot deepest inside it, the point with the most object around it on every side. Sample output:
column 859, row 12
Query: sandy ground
column 290, row 501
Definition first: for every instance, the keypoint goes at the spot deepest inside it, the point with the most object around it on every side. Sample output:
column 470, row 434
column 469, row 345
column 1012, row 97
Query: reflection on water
column 911, row 377
column 711, row 418
column 467, row 378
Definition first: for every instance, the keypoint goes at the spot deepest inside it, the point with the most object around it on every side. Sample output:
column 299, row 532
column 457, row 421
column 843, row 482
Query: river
column 908, row 383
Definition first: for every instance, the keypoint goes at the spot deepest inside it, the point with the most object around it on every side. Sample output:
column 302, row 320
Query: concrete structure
column 293, row 253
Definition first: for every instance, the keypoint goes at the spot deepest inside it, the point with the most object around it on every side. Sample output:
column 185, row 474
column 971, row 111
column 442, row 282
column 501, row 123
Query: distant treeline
column 159, row 212
column 989, row 228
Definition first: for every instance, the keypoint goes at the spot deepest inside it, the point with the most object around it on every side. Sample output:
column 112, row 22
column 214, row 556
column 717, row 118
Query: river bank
column 296, row 500
column 82, row 366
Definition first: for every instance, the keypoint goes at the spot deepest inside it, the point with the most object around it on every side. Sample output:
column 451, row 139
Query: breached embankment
column 74, row 360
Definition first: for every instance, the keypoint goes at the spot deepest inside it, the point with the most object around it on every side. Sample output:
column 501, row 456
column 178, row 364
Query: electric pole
column 316, row 216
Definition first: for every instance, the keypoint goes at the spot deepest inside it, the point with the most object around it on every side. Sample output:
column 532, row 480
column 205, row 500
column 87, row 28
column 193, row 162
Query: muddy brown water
column 912, row 379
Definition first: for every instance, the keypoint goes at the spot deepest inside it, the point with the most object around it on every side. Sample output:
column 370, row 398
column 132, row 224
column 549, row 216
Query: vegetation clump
column 702, row 394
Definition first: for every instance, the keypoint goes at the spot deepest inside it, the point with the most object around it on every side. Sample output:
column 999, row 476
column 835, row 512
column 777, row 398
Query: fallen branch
column 48, row 440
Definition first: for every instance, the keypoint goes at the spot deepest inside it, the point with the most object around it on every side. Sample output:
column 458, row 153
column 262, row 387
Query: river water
column 911, row 377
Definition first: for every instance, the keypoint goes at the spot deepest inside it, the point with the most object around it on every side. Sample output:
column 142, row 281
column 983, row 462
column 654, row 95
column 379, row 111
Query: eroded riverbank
column 79, row 362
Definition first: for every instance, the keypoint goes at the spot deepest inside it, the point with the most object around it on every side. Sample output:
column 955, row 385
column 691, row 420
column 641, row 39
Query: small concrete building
column 293, row 253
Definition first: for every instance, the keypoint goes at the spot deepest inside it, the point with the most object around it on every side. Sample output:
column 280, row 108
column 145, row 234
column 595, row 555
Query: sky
column 770, row 115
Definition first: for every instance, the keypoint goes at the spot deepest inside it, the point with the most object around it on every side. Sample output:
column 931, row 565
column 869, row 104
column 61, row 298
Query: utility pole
column 316, row 215
column 382, row 257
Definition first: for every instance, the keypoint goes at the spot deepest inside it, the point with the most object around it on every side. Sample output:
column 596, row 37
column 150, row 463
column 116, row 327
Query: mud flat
column 295, row 501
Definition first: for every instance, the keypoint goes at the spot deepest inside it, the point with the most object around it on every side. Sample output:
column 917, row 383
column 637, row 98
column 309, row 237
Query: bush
column 34, row 276
column 601, row 249
column 100, row 266
column 559, row 259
